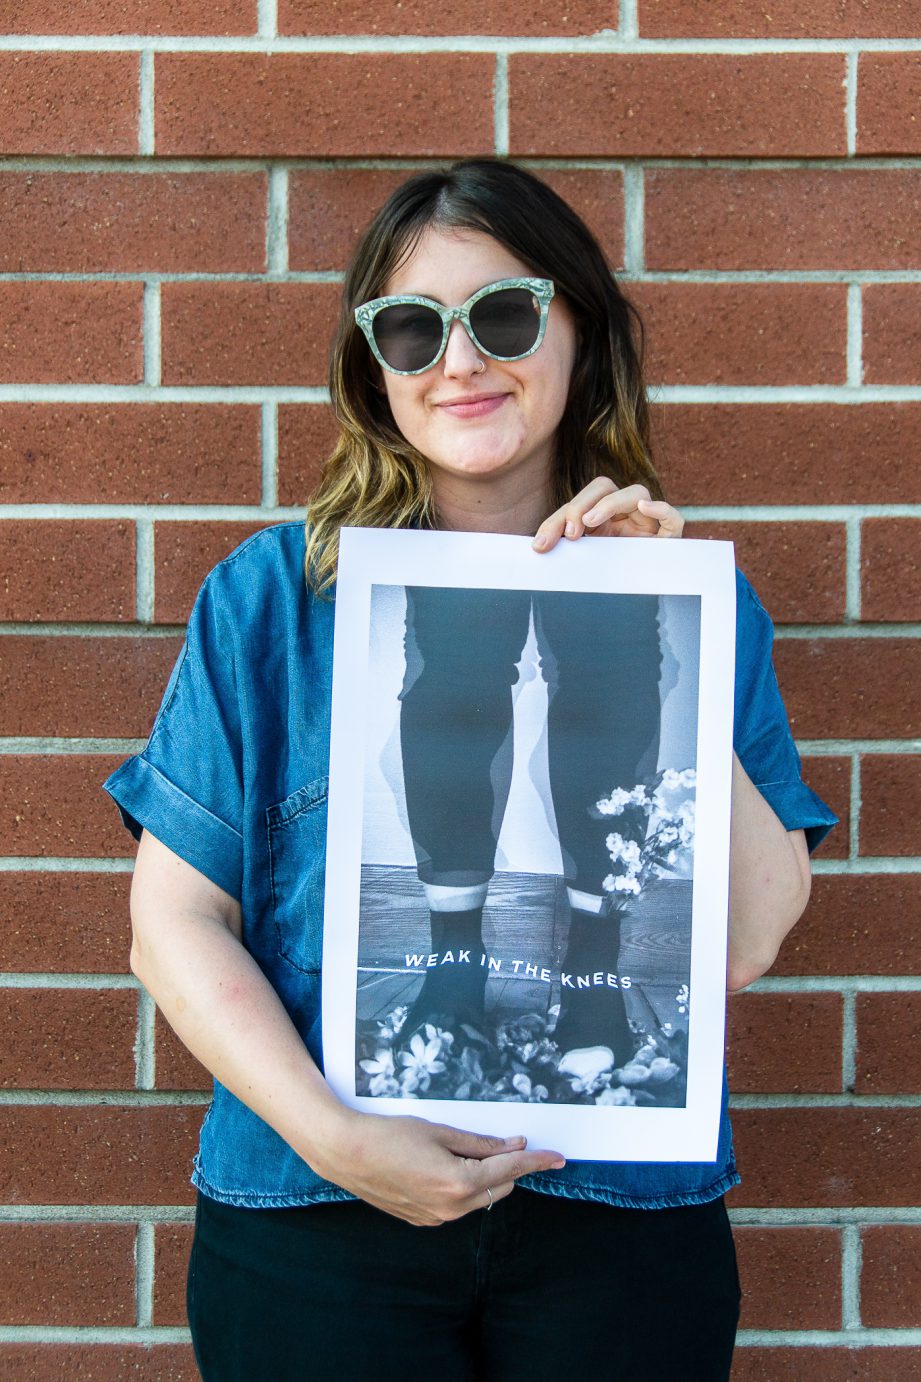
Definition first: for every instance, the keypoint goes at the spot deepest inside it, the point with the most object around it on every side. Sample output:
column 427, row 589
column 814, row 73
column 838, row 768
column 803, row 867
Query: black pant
column 539, row 1288
column 600, row 656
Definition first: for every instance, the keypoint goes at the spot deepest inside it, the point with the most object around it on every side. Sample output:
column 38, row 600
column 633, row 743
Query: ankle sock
column 593, row 1014
column 453, row 989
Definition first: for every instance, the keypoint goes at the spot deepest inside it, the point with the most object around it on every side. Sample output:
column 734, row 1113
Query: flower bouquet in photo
column 525, row 1056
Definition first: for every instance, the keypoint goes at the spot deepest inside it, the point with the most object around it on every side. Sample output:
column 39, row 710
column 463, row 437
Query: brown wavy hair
column 374, row 477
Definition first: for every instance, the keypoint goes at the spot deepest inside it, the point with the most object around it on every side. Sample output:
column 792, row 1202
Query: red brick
column 53, row 805
column 67, row 1038
column 857, row 924
column 65, row 922
column 67, row 569
column 890, row 810
column 827, row 1157
column 172, row 1246
column 830, row 778
column 890, row 1278
column 328, row 208
column 782, row 218
column 68, row 103
column 692, row 104
column 719, row 453
column 851, row 688
column 192, row 17
column 832, row 1364
column 330, row 104
column 543, row 18
column 791, row 1277
column 98, row 1155
column 67, row 1274
column 176, row 1067
column 890, row 569
column 306, row 435
column 129, row 453
column 798, row 569
column 780, row 19
column 784, row 1043
column 81, row 686
column 287, row 327
column 888, row 1034
column 184, row 553
column 889, row 102
column 99, row 1362
column 121, row 222
column 892, row 333
column 70, row 333
column 743, row 333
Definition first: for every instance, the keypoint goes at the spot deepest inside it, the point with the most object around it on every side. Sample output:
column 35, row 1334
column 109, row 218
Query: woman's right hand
column 426, row 1173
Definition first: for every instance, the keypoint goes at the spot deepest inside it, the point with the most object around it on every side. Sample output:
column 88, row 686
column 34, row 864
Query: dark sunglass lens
column 506, row 321
column 408, row 335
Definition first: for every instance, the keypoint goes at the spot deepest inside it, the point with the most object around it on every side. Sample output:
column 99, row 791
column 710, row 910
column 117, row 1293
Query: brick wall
column 180, row 183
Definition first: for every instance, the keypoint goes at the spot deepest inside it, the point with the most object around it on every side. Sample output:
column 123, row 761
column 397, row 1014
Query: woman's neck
column 490, row 508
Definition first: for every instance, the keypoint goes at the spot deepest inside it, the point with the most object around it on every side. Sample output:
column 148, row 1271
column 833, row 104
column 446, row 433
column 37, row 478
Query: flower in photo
column 383, row 1072
column 421, row 1062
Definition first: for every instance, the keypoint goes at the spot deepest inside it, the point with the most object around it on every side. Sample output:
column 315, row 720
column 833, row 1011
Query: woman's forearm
column 223, row 1008
column 769, row 881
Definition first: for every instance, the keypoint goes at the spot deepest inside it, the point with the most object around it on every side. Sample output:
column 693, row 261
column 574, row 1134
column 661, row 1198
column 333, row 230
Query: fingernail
column 570, row 529
column 590, row 517
column 516, row 1141
column 557, row 1165
column 539, row 542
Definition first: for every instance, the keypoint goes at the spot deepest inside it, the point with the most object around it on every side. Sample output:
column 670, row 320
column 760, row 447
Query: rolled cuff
column 798, row 807
column 147, row 799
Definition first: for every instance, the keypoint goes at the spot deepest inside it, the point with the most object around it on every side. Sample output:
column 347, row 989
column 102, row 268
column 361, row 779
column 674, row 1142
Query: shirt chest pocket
column 297, row 864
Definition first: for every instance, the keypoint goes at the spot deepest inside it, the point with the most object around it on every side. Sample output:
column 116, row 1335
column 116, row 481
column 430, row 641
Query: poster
column 528, row 839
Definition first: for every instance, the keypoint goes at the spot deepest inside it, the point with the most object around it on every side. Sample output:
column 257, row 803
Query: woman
column 295, row 1272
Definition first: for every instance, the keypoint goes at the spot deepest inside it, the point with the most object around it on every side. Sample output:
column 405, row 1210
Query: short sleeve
column 186, row 784
column 762, row 737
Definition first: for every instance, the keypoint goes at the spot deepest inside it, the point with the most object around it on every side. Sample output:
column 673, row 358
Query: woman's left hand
column 603, row 510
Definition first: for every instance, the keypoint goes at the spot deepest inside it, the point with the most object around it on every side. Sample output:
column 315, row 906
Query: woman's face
column 506, row 437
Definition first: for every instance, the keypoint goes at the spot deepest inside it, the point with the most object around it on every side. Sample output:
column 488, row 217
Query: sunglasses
column 505, row 320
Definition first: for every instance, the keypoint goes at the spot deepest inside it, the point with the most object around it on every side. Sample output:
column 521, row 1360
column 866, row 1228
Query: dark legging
column 539, row 1288
column 600, row 657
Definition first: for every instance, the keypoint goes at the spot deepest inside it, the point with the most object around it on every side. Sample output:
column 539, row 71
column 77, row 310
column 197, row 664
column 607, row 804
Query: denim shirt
column 234, row 779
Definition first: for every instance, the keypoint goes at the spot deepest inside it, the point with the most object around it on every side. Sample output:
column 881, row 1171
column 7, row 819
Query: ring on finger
column 489, row 1193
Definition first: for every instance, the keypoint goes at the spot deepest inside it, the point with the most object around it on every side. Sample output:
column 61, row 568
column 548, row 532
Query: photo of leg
column 525, row 919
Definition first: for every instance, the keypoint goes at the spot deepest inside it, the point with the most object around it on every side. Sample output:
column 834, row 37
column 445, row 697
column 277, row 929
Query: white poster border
column 703, row 568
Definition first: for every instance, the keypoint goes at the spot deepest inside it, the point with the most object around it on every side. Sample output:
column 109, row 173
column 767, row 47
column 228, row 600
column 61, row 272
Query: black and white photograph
column 528, row 839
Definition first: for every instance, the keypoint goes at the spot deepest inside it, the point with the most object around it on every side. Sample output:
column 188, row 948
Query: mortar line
column 852, row 559
column 697, row 513
column 267, row 19
column 501, row 106
column 151, row 333
column 848, row 1040
column 850, row 100
column 97, row 1213
column 850, row 1276
column 738, row 395
column 604, row 42
column 854, row 335
column 269, row 440
column 144, row 1273
column 144, row 568
column 856, row 803
column 276, row 222
column 628, row 28
column 144, row 1050
column 146, row 135
column 634, row 219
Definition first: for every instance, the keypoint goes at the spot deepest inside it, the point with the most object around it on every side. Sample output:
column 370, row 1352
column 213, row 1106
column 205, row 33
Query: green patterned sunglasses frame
column 542, row 289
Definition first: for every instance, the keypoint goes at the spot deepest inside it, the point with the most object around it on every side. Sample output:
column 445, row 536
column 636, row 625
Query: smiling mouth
column 478, row 403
